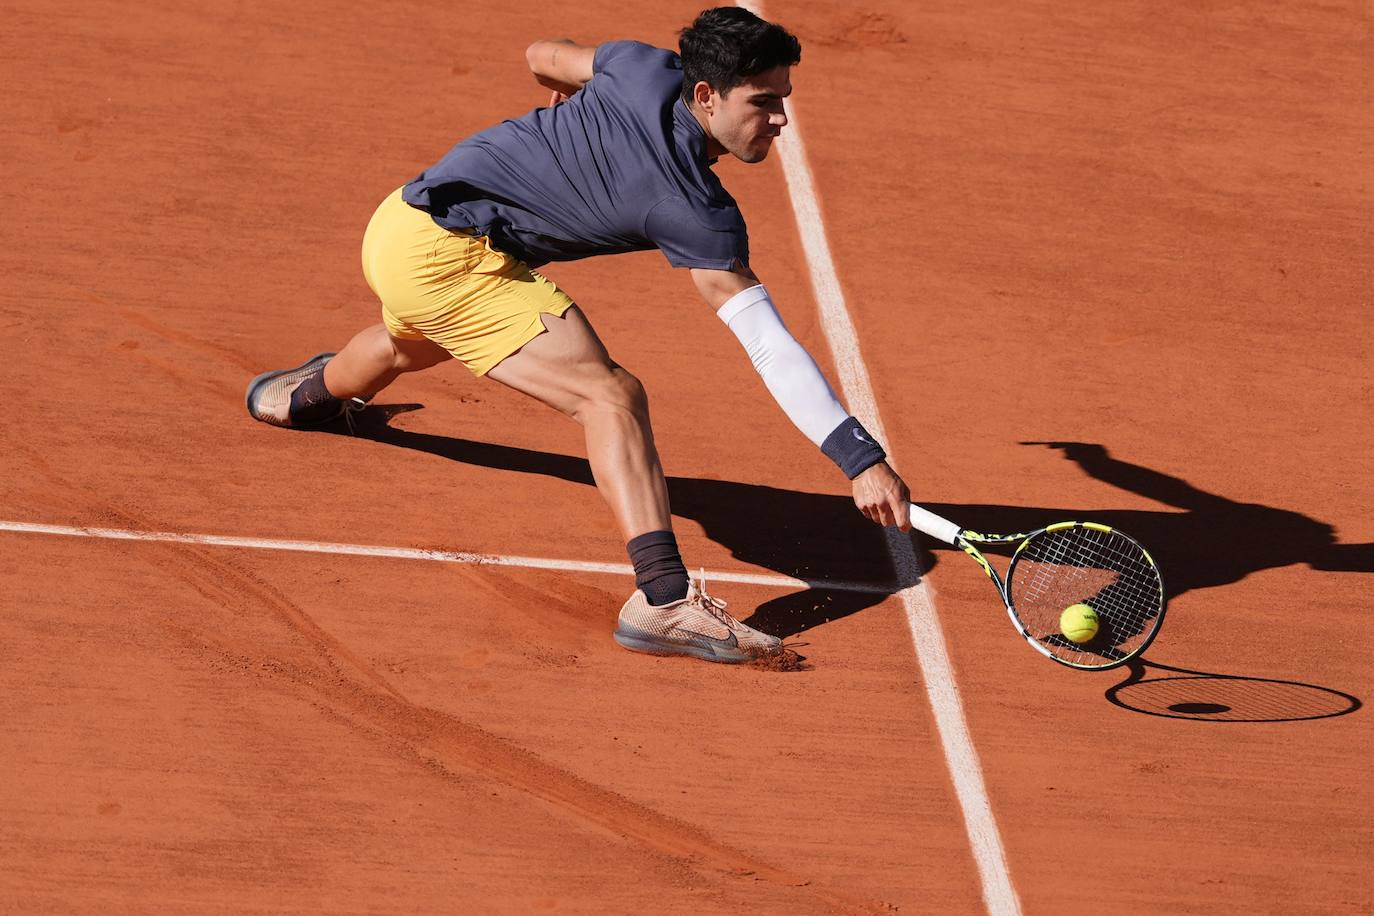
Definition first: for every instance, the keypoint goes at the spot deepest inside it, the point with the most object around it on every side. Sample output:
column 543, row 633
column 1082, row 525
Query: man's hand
column 883, row 497
column 1077, row 451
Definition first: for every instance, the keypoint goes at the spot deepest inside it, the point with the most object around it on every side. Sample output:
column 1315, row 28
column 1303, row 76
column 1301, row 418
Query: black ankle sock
column 311, row 402
column 659, row 572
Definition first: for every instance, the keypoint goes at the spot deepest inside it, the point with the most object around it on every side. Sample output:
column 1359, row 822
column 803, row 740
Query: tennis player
column 619, row 161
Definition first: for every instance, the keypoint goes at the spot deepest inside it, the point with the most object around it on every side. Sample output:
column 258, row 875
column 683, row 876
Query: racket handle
column 942, row 529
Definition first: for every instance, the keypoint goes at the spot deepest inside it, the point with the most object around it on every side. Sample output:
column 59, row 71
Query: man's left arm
column 801, row 390
column 562, row 65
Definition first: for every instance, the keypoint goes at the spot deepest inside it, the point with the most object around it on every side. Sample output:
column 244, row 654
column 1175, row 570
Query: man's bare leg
column 319, row 390
column 568, row 368
column 374, row 359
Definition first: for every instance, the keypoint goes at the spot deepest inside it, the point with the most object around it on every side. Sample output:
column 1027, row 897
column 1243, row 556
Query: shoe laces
column 711, row 604
column 353, row 406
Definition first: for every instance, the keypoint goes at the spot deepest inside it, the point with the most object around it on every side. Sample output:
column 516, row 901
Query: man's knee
column 410, row 355
column 616, row 391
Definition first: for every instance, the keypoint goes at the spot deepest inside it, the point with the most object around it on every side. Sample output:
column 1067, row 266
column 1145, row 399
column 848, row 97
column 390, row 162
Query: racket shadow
column 1168, row 691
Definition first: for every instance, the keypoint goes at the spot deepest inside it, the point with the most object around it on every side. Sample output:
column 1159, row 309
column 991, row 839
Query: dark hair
column 727, row 45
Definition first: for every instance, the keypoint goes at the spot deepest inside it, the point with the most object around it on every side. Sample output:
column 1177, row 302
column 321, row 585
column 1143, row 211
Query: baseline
column 416, row 553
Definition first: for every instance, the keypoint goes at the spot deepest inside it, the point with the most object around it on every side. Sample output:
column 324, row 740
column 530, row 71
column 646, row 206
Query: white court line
column 414, row 553
column 960, row 756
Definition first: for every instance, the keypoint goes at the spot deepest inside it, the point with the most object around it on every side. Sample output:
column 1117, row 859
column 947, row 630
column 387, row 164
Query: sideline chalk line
column 931, row 653
column 414, row 553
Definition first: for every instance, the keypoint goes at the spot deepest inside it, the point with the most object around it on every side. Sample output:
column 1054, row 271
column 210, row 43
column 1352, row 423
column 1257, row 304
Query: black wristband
column 852, row 448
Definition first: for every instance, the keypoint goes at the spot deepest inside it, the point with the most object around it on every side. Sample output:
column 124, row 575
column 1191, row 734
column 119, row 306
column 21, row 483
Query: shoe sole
column 637, row 640
column 259, row 381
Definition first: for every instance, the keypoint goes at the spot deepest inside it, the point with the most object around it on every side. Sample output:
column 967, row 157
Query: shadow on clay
column 1211, row 541
column 809, row 536
column 1154, row 689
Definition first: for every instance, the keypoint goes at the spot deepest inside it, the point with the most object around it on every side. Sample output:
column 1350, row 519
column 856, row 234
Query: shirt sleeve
column 712, row 239
column 609, row 52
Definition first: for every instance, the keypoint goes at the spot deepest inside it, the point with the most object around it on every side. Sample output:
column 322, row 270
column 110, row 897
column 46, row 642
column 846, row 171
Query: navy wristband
column 851, row 447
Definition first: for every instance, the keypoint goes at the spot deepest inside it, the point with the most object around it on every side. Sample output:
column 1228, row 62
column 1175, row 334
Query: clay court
column 1138, row 233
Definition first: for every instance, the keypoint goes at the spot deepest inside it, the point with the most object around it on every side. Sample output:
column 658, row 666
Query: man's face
column 745, row 122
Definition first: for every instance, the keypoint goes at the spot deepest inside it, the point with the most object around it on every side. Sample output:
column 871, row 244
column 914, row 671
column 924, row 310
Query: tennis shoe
column 696, row 625
column 269, row 396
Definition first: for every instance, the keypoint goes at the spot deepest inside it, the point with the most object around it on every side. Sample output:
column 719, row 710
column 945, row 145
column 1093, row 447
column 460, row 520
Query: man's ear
column 702, row 96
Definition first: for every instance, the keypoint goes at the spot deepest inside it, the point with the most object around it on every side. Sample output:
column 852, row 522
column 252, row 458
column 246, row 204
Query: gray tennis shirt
column 621, row 166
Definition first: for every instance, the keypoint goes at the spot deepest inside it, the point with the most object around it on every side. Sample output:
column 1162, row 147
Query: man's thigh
column 453, row 288
column 561, row 367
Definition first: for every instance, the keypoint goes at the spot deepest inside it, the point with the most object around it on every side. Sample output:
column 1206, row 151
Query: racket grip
column 942, row 529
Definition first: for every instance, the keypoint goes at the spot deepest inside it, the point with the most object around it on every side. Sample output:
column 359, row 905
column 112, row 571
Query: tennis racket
column 1063, row 565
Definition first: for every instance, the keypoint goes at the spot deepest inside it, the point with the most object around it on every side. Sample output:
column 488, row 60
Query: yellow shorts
column 453, row 288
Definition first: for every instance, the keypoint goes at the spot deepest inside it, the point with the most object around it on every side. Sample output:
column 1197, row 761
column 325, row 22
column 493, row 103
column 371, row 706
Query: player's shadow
column 1211, row 541
column 815, row 536
column 1154, row 689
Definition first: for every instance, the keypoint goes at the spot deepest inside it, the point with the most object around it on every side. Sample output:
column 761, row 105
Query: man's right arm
column 562, row 65
column 801, row 390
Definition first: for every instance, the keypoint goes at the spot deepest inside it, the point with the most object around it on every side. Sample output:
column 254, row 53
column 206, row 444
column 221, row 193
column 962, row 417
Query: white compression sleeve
column 792, row 376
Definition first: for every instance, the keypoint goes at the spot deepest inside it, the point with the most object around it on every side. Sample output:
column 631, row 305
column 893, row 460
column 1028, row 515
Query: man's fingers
column 901, row 514
column 883, row 498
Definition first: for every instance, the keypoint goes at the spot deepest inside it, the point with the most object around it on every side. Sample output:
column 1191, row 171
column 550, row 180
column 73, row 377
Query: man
column 621, row 161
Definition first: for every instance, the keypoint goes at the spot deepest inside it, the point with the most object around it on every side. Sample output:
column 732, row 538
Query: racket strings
column 1105, row 570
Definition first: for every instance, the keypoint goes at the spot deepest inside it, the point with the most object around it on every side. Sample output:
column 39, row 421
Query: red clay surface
column 1116, row 225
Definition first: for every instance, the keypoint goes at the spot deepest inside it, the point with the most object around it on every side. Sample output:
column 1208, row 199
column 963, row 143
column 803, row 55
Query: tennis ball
column 1078, row 623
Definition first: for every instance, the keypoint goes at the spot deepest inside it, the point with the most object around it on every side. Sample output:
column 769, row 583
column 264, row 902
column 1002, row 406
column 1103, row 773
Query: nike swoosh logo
column 860, row 436
column 710, row 642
